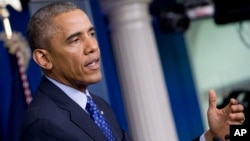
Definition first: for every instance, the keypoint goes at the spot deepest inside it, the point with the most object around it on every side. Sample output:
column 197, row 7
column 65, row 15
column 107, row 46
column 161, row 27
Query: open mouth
column 94, row 64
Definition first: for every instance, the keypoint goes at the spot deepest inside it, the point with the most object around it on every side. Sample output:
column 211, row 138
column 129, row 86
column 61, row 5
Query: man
column 63, row 42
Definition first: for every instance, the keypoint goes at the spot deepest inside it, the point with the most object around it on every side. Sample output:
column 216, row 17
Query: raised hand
column 220, row 119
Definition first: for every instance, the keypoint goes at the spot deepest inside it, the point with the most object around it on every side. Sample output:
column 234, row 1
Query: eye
column 75, row 40
column 92, row 33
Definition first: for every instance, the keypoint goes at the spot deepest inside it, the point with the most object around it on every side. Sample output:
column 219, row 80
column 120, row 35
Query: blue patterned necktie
column 96, row 115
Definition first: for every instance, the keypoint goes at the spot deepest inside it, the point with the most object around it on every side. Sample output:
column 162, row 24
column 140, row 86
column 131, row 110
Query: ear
column 42, row 58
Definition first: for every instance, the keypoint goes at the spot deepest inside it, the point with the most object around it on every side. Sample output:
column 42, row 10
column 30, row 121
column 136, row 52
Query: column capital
column 108, row 5
column 124, row 12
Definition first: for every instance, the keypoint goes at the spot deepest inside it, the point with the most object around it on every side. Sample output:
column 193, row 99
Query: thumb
column 212, row 99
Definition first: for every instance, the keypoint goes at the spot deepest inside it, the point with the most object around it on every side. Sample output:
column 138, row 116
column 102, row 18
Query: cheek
column 77, row 63
column 69, row 63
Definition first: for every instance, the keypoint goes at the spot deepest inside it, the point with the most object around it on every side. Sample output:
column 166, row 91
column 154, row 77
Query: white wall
column 218, row 58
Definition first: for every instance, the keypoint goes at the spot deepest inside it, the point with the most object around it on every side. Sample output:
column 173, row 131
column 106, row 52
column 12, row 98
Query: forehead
column 76, row 19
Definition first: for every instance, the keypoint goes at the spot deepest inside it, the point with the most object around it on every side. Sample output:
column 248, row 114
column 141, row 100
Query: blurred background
column 159, row 59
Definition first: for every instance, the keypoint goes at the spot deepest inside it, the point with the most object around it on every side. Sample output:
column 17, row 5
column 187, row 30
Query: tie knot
column 90, row 101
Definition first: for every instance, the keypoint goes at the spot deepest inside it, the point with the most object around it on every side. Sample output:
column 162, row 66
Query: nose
column 91, row 46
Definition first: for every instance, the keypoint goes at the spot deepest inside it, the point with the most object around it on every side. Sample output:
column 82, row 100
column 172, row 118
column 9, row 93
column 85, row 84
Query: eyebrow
column 79, row 33
column 91, row 29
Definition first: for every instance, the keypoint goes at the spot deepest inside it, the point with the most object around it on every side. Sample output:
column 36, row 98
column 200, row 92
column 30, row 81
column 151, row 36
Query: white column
column 144, row 90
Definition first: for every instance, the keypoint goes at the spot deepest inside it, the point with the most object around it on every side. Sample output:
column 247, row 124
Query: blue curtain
column 178, row 76
column 12, row 99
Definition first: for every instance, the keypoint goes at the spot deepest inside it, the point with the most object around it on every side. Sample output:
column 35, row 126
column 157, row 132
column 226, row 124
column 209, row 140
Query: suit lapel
column 77, row 115
column 86, row 124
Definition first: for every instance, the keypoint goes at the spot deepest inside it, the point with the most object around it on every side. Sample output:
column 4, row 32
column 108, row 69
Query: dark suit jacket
column 53, row 116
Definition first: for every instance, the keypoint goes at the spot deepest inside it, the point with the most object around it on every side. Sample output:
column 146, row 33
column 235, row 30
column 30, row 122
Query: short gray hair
column 40, row 28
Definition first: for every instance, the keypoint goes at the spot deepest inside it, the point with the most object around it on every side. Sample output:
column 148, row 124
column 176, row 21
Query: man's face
column 74, row 50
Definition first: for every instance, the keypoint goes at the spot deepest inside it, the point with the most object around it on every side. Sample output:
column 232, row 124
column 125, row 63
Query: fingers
column 233, row 106
column 236, row 107
column 233, row 101
column 234, row 123
column 236, row 115
column 212, row 98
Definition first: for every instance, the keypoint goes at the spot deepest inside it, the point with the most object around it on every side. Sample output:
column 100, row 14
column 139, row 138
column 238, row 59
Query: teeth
column 92, row 64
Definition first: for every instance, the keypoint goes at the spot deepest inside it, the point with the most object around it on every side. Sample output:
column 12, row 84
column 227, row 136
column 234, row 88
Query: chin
column 95, row 79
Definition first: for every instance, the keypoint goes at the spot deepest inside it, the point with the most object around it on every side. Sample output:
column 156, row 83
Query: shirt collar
column 77, row 96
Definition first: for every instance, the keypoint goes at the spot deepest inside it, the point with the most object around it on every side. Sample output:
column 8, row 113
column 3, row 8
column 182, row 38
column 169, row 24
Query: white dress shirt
column 202, row 137
column 77, row 96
